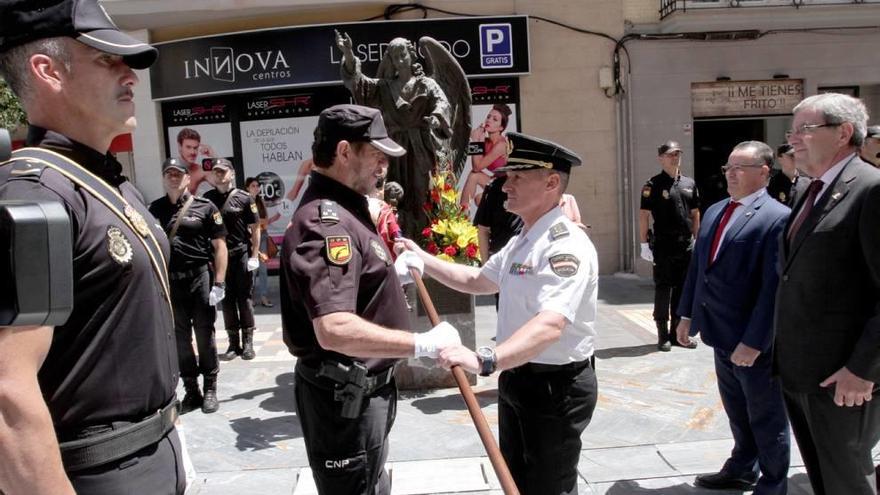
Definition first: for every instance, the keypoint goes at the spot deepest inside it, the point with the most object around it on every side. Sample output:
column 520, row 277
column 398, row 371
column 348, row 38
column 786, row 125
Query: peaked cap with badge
column 23, row 21
column 530, row 153
column 355, row 123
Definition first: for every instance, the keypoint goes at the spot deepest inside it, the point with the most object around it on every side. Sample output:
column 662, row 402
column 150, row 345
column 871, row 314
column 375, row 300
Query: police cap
column 355, row 123
column 668, row 147
column 222, row 163
column 531, row 153
column 23, row 21
column 873, row 132
column 174, row 163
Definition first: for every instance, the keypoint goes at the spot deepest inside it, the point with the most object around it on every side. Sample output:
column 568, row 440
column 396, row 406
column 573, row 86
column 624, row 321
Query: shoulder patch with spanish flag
column 338, row 249
column 254, row 208
column 218, row 218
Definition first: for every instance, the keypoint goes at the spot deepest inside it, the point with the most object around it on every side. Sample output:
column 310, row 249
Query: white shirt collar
column 832, row 173
column 747, row 201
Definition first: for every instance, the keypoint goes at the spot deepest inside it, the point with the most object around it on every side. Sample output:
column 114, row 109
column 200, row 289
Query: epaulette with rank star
column 558, row 231
column 328, row 211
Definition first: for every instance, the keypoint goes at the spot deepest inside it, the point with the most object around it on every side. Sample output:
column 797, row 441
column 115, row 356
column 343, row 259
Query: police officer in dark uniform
column 785, row 182
column 198, row 237
column 341, row 302
column 88, row 405
column 241, row 217
column 672, row 201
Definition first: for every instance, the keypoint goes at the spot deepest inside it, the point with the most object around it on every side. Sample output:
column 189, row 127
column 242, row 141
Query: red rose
column 432, row 248
column 428, row 207
column 427, row 232
column 447, row 187
column 435, row 196
column 450, row 251
column 471, row 251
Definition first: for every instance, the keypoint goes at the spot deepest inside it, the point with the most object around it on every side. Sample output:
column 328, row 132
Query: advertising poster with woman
column 493, row 113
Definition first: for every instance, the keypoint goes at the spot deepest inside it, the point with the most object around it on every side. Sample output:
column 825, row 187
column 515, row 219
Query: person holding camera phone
column 189, row 147
column 240, row 215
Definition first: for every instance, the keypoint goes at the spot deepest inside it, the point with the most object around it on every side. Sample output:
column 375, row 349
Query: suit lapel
column 738, row 225
column 831, row 198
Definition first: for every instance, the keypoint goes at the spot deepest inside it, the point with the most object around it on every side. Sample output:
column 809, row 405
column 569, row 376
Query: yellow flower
column 445, row 257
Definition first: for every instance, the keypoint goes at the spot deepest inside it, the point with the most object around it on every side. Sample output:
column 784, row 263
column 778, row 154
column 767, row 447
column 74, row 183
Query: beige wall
column 561, row 99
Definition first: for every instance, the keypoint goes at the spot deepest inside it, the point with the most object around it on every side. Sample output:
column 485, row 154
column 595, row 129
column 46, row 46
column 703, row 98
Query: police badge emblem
column 218, row 218
column 665, row 194
column 338, row 249
column 137, row 220
column 380, row 251
column 118, row 246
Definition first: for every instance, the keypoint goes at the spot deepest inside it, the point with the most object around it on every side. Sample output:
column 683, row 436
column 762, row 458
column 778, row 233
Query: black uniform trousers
column 835, row 442
column 238, row 305
column 193, row 314
column 542, row 411
column 145, row 471
column 752, row 399
column 670, row 271
column 347, row 456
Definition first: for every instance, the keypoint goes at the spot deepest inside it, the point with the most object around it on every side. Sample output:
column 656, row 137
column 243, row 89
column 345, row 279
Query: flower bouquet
column 450, row 235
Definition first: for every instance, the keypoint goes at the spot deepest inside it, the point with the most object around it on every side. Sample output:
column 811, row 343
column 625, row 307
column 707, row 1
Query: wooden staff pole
column 495, row 457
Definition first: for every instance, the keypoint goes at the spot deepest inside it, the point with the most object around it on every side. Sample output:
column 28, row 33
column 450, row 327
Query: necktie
column 716, row 240
column 812, row 192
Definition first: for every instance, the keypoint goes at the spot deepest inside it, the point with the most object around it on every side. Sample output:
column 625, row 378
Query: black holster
column 350, row 383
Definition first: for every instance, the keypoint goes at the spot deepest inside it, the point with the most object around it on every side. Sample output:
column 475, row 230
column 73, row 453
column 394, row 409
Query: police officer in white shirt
column 547, row 277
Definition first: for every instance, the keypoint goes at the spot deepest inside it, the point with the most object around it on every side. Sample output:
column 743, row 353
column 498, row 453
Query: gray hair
column 758, row 149
column 14, row 63
column 838, row 108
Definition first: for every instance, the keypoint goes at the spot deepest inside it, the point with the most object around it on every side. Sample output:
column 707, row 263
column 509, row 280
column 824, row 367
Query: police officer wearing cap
column 784, row 183
column 88, row 405
column 198, row 237
column 342, row 307
column 672, row 201
column 547, row 277
column 241, row 217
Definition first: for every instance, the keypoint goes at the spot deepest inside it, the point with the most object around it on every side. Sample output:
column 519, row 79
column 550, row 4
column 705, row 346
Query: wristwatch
column 488, row 362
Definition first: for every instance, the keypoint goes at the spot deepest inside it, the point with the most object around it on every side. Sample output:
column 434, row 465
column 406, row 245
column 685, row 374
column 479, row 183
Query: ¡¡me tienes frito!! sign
column 745, row 98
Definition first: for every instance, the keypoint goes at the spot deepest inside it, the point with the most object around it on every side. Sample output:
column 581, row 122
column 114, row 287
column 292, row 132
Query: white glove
column 646, row 254
column 217, row 294
column 253, row 264
column 430, row 343
column 405, row 261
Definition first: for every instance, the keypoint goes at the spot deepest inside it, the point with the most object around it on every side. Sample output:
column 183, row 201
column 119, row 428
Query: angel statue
column 426, row 111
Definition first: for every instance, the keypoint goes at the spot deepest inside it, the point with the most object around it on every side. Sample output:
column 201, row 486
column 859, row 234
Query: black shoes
column 247, row 340
column 691, row 344
column 192, row 399
column 234, row 350
column 726, row 481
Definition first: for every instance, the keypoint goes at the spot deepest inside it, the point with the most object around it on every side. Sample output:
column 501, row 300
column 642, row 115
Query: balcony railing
column 667, row 7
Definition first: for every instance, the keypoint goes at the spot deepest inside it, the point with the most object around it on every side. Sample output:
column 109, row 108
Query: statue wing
column 441, row 66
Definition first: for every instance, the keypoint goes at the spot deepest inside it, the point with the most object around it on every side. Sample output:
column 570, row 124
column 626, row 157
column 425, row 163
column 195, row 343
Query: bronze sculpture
column 426, row 111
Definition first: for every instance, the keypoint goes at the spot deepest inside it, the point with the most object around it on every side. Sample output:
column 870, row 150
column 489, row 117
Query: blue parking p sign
column 496, row 46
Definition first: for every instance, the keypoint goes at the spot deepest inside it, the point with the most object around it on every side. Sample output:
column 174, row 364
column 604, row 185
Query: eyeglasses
column 738, row 168
column 807, row 129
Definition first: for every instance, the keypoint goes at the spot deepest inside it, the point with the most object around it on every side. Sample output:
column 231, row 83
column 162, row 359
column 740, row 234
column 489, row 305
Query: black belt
column 112, row 445
column 540, row 368
column 188, row 273
column 332, row 373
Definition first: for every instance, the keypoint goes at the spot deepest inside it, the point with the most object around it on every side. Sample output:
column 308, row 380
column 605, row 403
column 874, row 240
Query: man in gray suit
column 828, row 302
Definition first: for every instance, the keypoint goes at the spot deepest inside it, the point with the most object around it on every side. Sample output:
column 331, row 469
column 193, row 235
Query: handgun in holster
column 351, row 380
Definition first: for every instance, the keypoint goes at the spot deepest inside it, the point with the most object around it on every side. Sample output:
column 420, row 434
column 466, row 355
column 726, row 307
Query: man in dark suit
column 728, row 297
column 828, row 304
